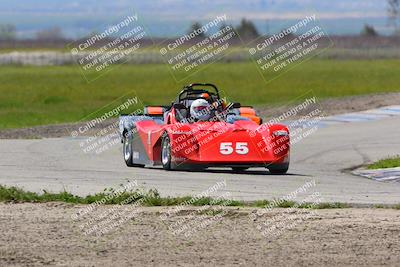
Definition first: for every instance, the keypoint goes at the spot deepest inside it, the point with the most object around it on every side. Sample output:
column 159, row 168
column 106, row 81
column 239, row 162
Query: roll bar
column 189, row 88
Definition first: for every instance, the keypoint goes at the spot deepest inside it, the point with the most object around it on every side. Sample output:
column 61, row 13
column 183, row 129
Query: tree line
column 246, row 28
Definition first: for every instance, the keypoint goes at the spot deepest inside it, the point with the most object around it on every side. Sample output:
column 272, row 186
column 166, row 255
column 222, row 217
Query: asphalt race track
column 59, row 163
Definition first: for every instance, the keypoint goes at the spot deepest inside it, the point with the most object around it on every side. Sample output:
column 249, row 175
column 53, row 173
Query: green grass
column 149, row 198
column 32, row 96
column 390, row 162
column 33, row 49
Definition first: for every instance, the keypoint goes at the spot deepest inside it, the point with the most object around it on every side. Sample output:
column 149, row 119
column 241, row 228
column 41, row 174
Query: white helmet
column 200, row 109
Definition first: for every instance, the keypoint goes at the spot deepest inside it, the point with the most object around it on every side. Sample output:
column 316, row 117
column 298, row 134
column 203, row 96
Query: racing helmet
column 200, row 109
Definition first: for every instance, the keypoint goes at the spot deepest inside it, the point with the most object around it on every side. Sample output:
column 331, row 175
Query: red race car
column 200, row 130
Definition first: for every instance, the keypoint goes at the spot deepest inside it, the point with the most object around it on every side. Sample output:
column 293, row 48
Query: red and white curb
column 362, row 116
column 367, row 115
column 388, row 174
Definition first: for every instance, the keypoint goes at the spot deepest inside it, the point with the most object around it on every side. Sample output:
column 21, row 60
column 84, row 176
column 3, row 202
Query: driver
column 200, row 110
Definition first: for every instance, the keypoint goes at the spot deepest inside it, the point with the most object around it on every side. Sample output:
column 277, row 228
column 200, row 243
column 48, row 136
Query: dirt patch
column 44, row 234
column 334, row 106
column 56, row 130
column 330, row 106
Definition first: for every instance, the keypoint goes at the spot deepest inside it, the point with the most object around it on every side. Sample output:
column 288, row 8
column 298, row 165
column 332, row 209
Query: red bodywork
column 243, row 142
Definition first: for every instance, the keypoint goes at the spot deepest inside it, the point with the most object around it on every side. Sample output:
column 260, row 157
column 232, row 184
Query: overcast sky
column 202, row 8
column 166, row 17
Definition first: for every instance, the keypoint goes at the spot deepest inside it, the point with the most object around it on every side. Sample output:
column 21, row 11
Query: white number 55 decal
column 227, row 149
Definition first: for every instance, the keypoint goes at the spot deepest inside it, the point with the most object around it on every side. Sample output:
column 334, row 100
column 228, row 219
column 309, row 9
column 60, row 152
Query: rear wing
column 150, row 111
column 248, row 112
column 155, row 111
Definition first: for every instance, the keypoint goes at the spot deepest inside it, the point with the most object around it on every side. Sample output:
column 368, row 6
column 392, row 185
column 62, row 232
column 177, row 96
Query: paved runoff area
column 325, row 157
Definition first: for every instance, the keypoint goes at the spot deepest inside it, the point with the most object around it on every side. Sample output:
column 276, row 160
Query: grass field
column 148, row 198
column 390, row 162
column 45, row 95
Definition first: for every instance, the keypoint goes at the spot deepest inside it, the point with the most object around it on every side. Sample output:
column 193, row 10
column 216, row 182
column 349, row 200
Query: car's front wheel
column 166, row 152
column 169, row 164
column 278, row 169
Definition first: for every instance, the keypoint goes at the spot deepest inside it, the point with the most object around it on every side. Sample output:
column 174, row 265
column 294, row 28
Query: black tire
column 166, row 153
column 166, row 159
column 278, row 169
column 239, row 169
column 127, row 151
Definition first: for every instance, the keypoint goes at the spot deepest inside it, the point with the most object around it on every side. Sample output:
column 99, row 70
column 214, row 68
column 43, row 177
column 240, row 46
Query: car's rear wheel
column 128, row 150
column 278, row 168
column 166, row 152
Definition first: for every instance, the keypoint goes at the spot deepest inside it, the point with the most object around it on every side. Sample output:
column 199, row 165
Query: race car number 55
column 227, row 148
